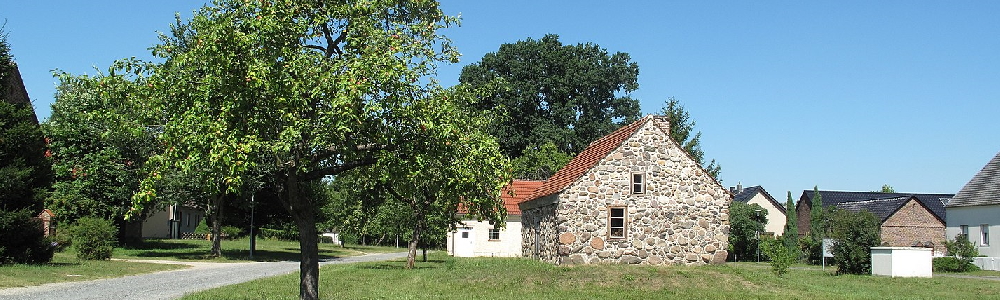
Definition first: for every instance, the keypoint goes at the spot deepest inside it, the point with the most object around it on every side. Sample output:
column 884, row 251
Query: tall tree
column 25, row 171
column 298, row 91
column 817, row 226
column 791, row 235
column 569, row 95
column 681, row 129
column 99, row 144
column 886, row 188
column 540, row 162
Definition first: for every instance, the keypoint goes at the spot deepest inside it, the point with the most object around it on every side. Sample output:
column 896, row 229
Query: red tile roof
column 587, row 159
column 512, row 194
column 522, row 189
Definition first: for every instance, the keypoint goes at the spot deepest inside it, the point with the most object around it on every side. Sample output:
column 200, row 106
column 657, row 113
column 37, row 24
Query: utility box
column 902, row 261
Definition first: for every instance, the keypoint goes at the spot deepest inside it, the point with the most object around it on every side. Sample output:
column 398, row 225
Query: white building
column 975, row 212
column 171, row 222
column 479, row 238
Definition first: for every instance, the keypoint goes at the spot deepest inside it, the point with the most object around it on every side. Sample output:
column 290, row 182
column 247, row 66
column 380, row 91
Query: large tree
column 747, row 223
column 791, row 234
column 681, row 129
column 99, row 144
column 298, row 91
column 546, row 91
column 24, row 169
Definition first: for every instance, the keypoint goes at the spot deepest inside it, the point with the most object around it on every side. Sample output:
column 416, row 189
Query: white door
column 463, row 243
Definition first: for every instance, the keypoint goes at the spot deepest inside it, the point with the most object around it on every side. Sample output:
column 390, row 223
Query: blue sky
column 847, row 95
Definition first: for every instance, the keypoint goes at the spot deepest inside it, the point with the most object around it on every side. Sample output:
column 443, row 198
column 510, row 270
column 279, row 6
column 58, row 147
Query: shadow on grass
column 401, row 265
column 160, row 245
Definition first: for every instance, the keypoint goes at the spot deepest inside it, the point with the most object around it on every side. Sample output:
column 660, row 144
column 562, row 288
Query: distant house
column 632, row 197
column 906, row 219
column 775, row 211
column 480, row 238
column 975, row 212
column 172, row 222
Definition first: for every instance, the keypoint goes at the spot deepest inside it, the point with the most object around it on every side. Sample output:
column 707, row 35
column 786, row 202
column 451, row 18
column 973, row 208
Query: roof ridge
column 587, row 159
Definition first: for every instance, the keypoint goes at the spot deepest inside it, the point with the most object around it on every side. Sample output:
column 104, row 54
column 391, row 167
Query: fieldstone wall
column 682, row 218
column 538, row 233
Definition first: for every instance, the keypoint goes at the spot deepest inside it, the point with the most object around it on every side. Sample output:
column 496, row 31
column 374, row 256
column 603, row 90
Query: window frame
column 641, row 183
column 624, row 220
column 964, row 231
column 984, row 235
column 493, row 231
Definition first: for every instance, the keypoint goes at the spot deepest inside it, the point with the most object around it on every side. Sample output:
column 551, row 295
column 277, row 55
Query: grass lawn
column 65, row 267
column 237, row 250
column 512, row 278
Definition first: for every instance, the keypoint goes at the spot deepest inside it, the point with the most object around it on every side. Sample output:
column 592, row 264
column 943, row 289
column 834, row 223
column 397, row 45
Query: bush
column 961, row 252
column 202, row 227
column 93, row 238
column 780, row 254
column 953, row 264
column 231, row 231
column 284, row 231
column 855, row 233
column 22, row 239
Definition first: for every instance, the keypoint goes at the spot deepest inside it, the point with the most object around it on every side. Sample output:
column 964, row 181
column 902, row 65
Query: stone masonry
column 681, row 218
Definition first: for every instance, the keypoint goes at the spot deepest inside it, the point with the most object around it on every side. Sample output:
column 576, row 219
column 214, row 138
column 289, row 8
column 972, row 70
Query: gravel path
column 172, row 284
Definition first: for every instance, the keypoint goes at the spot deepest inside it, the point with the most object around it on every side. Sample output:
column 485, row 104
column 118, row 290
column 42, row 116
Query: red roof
column 512, row 194
column 522, row 189
column 587, row 159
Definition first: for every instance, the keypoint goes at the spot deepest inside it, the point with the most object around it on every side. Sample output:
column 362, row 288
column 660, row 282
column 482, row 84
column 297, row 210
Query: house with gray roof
column 975, row 212
column 906, row 219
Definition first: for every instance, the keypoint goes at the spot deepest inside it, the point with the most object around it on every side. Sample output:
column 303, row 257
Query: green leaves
column 569, row 95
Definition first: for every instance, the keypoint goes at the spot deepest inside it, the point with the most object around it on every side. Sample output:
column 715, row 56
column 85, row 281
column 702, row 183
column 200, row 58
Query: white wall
column 775, row 219
column 509, row 244
column 974, row 216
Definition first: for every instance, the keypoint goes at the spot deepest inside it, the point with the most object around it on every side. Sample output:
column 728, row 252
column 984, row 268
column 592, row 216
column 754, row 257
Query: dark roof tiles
column 933, row 202
column 747, row 194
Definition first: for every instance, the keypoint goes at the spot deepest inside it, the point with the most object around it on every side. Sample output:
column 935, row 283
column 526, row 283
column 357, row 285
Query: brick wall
column 913, row 223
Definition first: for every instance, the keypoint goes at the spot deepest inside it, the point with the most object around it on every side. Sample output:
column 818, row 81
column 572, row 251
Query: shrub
column 780, row 254
column 953, row 264
column 93, row 238
column 202, row 227
column 855, row 233
column 231, row 231
column 961, row 252
column 22, row 239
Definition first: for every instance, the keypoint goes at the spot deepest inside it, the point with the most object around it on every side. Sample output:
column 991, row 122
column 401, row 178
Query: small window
column 617, row 223
column 965, row 231
column 638, row 183
column 984, row 233
column 465, row 235
column 494, row 234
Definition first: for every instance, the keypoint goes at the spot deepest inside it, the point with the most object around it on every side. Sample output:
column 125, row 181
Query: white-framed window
column 638, row 183
column 616, row 223
column 494, row 234
column 965, row 231
column 984, row 234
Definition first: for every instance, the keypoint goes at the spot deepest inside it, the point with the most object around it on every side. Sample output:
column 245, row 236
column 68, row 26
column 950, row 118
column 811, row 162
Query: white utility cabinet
column 902, row 261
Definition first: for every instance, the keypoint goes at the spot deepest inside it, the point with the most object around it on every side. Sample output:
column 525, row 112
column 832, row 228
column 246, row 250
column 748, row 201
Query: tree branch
column 334, row 170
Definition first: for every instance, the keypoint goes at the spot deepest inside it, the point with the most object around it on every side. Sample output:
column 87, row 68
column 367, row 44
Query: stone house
column 975, row 212
column 907, row 219
column 480, row 238
column 775, row 211
column 634, row 197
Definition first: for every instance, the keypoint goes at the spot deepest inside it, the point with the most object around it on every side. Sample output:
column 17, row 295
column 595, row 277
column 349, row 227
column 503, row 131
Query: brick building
column 906, row 219
column 633, row 196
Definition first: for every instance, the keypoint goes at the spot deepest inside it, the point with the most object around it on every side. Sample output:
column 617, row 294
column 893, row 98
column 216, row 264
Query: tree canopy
column 99, row 142
column 569, row 95
column 298, row 91
column 746, row 224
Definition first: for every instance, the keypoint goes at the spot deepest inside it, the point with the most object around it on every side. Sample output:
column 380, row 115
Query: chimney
column 739, row 187
column 732, row 190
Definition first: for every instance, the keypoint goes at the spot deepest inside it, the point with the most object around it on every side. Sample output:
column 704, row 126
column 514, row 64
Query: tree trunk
column 304, row 214
column 217, row 226
column 424, row 249
column 412, row 254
